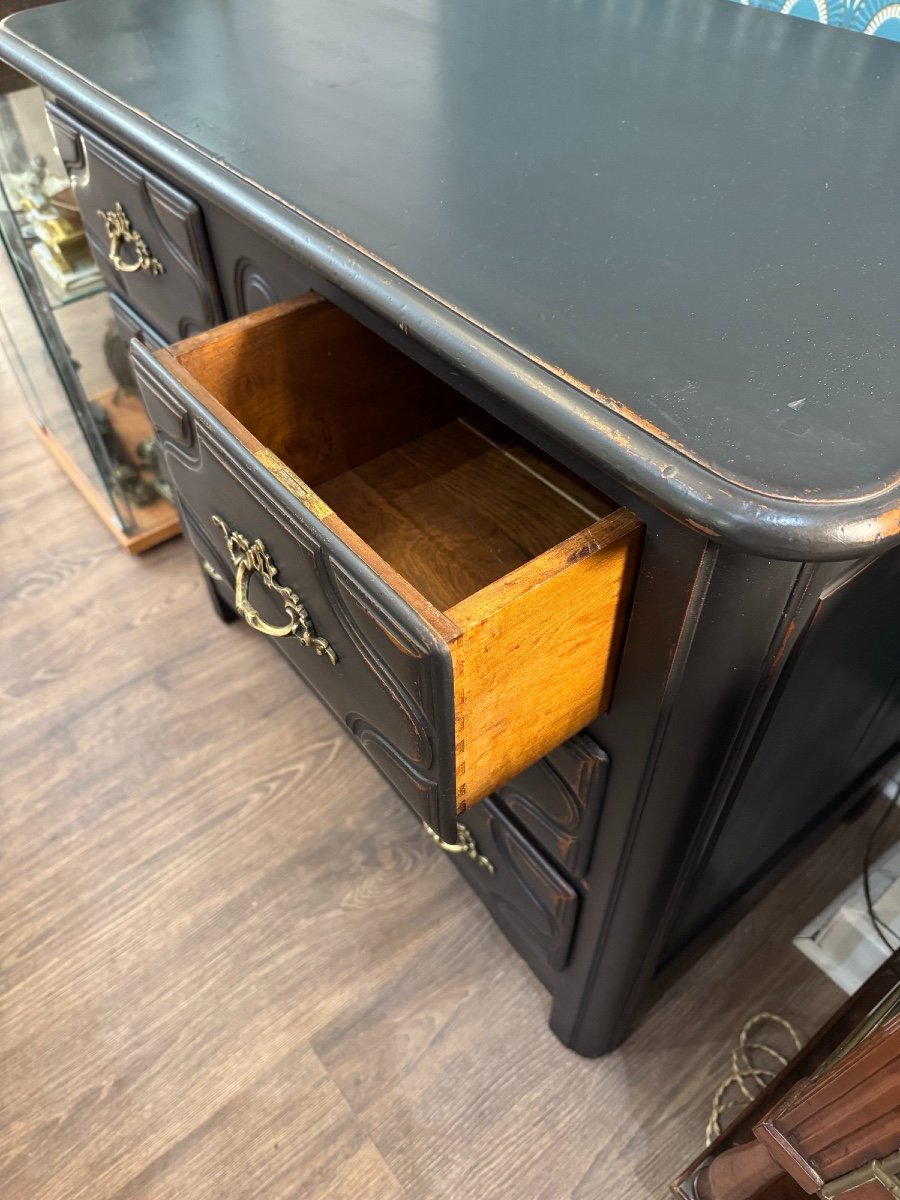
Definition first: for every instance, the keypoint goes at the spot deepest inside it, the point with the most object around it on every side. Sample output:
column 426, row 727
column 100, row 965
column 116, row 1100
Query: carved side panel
column 181, row 299
column 534, row 905
column 252, row 289
column 391, row 685
column 253, row 272
column 558, row 801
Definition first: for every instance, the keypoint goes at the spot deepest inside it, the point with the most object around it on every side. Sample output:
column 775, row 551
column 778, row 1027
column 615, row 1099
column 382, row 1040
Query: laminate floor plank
column 264, row 1134
column 234, row 967
column 541, row 1122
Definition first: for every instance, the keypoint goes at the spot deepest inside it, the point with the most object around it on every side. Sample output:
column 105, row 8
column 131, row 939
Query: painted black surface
column 133, row 325
column 736, row 739
column 183, row 298
column 557, row 801
column 723, row 666
column 252, row 272
column 837, row 710
column 534, row 905
column 391, row 685
column 614, row 195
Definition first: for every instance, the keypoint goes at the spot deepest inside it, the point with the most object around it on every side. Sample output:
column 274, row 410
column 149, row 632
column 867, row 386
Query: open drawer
column 454, row 596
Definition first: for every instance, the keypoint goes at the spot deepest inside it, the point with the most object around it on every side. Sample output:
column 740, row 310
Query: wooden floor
column 220, row 978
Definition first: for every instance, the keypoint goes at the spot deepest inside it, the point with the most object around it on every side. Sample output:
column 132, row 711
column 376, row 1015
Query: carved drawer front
column 558, row 801
column 148, row 238
column 134, row 326
column 534, row 905
column 454, row 596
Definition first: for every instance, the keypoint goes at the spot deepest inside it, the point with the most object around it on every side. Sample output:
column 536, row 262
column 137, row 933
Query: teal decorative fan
column 863, row 16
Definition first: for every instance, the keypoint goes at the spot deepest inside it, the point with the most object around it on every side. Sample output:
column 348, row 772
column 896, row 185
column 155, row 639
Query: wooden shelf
column 154, row 523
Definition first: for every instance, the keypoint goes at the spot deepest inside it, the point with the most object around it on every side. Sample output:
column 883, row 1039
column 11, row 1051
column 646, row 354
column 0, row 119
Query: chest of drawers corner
column 617, row 716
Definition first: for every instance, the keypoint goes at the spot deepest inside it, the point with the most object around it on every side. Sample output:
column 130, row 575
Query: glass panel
column 58, row 330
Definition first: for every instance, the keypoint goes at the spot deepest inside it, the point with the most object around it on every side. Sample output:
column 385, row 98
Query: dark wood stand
column 817, row 1121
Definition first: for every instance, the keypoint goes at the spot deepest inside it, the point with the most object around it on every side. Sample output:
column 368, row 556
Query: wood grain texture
column 742, row 1174
column 830, row 1125
column 314, row 386
column 216, row 978
column 536, row 657
column 454, row 512
column 532, row 569
column 842, row 1025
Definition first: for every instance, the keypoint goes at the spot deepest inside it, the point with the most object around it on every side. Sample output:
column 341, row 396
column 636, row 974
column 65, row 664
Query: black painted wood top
column 667, row 232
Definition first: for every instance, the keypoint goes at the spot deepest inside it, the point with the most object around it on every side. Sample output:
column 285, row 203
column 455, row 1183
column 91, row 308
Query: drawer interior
column 457, row 508
column 518, row 565
column 450, row 499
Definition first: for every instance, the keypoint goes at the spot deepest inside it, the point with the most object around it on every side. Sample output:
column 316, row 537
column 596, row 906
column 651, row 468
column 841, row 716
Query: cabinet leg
column 222, row 608
column 592, row 1041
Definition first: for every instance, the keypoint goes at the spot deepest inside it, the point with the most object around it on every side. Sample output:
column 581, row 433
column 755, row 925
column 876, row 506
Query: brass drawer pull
column 248, row 559
column 465, row 844
column 120, row 232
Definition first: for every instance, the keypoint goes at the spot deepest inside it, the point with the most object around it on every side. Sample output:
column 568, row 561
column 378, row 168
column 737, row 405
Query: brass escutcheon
column 120, row 232
column 250, row 559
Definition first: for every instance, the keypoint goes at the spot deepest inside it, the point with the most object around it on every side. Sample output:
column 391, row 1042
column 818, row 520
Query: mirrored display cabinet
column 61, row 338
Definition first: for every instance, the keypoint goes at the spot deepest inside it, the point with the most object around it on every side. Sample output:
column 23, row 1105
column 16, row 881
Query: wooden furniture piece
column 834, row 1132
column 577, row 487
column 459, row 544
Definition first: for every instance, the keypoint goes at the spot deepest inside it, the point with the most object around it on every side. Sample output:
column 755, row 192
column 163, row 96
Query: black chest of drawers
column 713, row 674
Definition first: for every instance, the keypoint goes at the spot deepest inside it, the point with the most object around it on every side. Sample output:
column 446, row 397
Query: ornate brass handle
column 120, row 232
column 465, row 844
column 250, row 559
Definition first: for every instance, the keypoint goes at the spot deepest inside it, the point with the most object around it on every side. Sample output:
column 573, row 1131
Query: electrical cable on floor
column 748, row 1076
column 880, row 926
